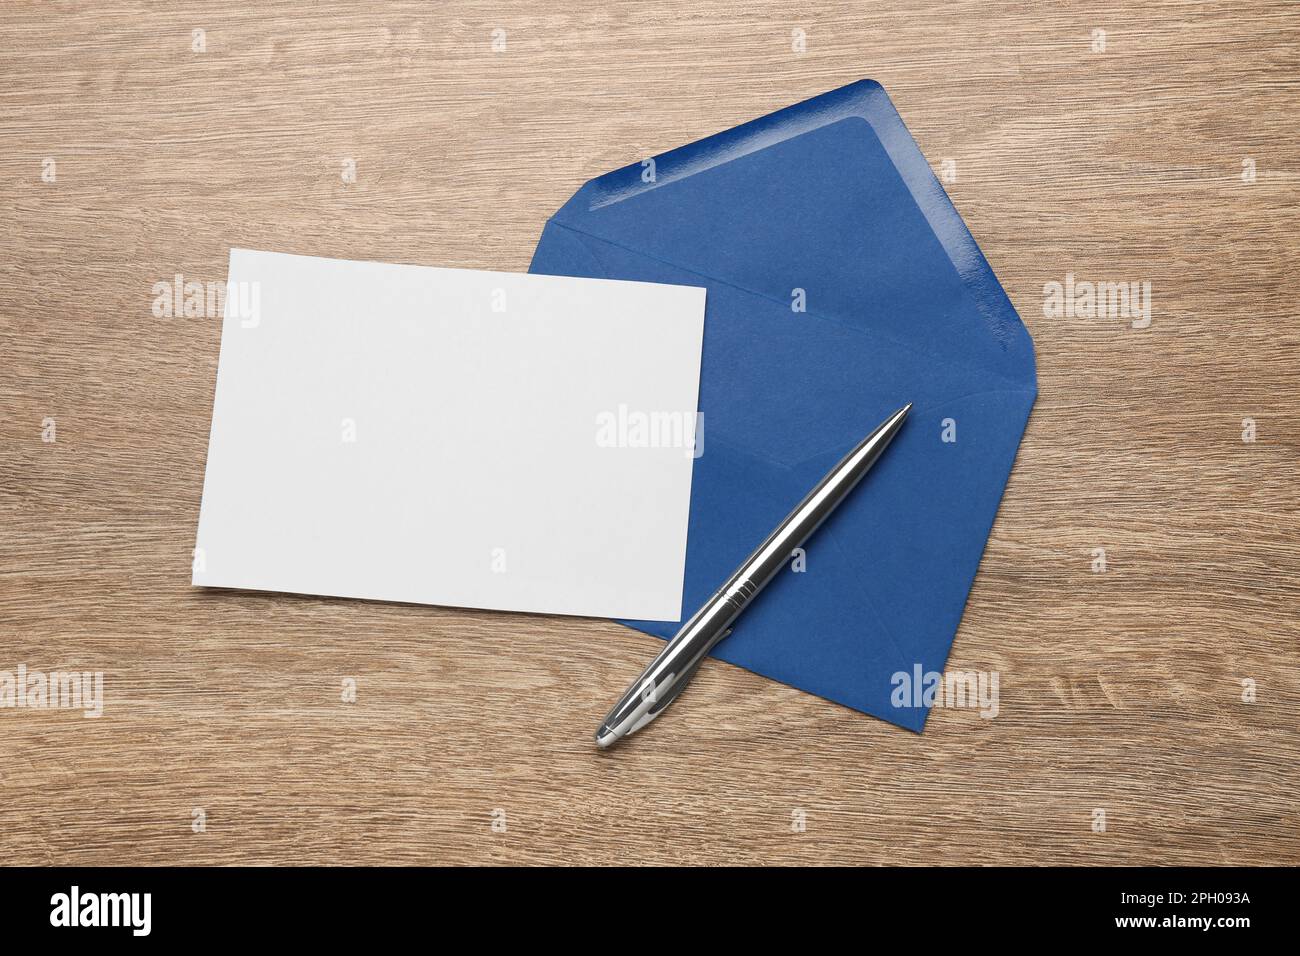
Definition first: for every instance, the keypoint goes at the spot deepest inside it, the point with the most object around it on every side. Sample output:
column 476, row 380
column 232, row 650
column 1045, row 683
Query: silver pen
column 669, row 673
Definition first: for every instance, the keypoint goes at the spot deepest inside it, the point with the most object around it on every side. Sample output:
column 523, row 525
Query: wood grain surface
column 128, row 156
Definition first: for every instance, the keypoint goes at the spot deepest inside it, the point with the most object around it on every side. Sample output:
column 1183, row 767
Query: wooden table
column 133, row 149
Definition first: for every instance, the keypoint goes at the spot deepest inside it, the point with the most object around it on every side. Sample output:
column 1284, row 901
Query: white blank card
column 446, row 436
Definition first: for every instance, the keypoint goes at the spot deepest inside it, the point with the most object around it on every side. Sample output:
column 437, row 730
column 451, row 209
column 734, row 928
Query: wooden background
column 1120, row 691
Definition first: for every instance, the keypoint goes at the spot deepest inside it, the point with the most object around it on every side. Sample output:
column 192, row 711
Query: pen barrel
column 768, row 558
column 669, row 672
column 672, row 668
column 712, row 622
column 742, row 591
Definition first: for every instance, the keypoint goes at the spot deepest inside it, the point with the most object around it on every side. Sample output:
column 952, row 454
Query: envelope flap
column 829, row 208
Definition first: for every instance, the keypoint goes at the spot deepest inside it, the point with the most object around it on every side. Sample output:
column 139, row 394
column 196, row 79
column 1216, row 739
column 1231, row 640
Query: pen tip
column 886, row 430
column 895, row 421
column 605, row 737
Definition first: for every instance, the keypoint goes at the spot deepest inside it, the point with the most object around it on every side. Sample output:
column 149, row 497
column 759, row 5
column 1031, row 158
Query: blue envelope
column 842, row 284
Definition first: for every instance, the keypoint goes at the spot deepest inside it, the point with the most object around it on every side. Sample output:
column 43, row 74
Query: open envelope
column 842, row 284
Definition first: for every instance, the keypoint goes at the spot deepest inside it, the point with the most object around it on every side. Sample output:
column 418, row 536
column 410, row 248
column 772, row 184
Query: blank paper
column 448, row 436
